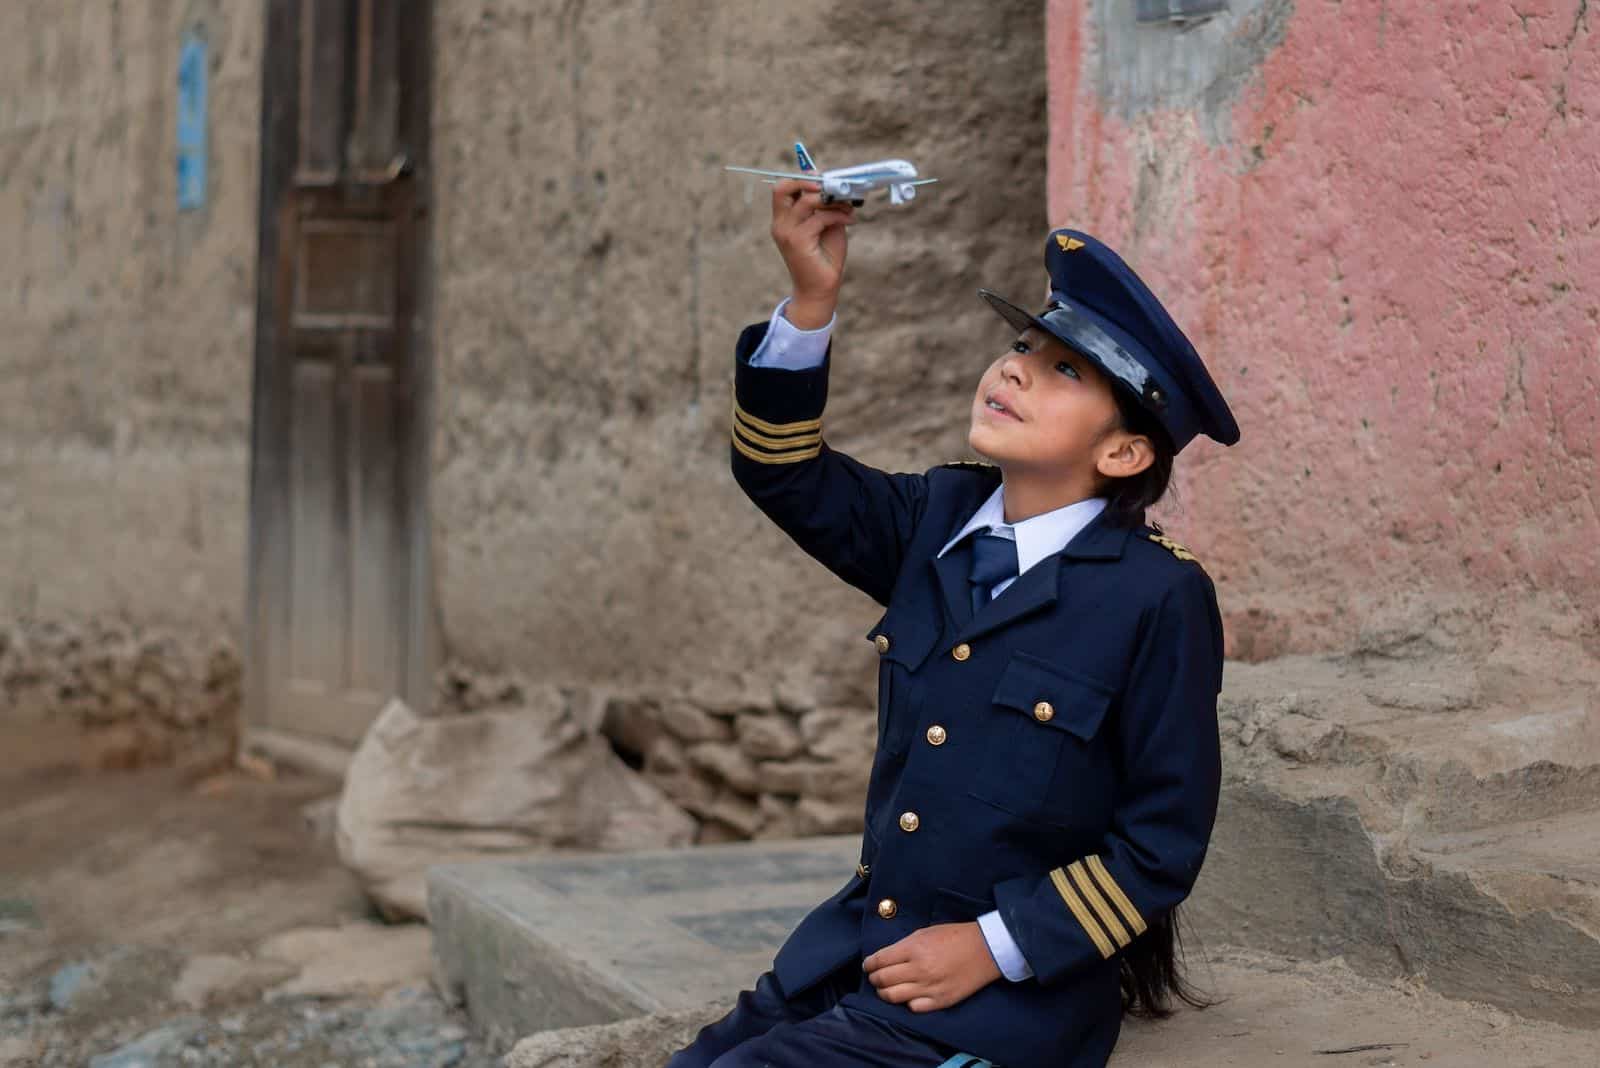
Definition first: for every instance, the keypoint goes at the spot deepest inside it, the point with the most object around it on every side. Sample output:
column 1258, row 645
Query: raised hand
column 811, row 239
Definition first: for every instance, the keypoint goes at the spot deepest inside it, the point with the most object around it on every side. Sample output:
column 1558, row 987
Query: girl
column 1047, row 768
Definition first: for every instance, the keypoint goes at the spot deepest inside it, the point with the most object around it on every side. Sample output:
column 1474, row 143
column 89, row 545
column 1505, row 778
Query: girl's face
column 1044, row 410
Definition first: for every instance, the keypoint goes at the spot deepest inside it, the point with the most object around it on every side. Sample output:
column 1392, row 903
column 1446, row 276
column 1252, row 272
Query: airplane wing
column 813, row 177
column 923, row 181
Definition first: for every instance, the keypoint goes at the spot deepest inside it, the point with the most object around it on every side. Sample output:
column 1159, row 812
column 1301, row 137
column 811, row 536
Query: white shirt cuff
column 1003, row 948
column 789, row 348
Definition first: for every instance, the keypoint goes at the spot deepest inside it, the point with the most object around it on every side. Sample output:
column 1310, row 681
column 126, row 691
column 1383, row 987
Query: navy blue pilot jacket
column 1054, row 756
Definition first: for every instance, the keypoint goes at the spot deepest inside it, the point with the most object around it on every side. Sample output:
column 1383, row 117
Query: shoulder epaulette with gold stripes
column 1173, row 547
column 970, row 465
column 775, row 443
column 1098, row 904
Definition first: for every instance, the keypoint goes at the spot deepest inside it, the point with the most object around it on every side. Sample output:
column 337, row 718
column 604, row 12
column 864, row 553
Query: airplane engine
column 899, row 194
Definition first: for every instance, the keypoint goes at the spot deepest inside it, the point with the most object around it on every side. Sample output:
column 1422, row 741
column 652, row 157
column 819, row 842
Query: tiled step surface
column 563, row 941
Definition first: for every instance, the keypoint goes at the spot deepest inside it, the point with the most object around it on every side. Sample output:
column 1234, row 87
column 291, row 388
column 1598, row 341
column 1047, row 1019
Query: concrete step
column 1272, row 1013
column 564, row 941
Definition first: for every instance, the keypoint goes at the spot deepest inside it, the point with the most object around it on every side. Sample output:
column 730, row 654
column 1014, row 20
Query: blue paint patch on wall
column 192, row 105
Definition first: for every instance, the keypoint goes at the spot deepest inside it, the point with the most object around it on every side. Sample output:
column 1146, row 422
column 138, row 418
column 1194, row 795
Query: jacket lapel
column 1100, row 540
column 1040, row 586
column 1037, row 588
column 952, row 570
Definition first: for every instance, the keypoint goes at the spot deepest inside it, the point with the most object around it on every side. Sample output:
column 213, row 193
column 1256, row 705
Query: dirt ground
column 196, row 916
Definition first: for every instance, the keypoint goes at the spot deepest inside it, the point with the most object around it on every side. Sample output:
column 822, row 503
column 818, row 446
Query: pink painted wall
column 1386, row 248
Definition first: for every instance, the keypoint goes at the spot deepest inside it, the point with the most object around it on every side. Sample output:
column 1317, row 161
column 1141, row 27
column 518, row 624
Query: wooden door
column 338, row 523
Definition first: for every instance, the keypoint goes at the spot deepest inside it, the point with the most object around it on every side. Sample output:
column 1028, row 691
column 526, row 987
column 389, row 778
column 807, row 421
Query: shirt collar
column 1037, row 537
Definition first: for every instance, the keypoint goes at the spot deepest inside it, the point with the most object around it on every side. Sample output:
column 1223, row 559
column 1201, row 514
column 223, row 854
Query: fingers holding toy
column 933, row 968
column 810, row 237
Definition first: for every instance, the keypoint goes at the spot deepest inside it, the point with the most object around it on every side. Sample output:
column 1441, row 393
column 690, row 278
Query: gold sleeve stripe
column 1114, row 892
column 1080, row 878
column 1086, row 921
column 795, row 442
column 792, row 457
column 802, row 426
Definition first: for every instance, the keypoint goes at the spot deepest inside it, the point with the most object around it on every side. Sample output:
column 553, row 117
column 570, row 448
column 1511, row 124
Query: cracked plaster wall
column 595, row 265
column 124, row 374
column 592, row 268
column 1378, row 220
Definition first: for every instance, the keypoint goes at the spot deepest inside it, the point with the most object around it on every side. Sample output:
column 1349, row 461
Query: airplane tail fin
column 803, row 158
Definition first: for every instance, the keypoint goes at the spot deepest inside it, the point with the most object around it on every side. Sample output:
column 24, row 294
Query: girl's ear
column 1123, row 455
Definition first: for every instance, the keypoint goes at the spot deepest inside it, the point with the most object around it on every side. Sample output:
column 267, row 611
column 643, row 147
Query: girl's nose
column 1013, row 370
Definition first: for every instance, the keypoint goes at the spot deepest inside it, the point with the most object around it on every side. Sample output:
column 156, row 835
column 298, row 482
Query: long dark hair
column 1152, row 971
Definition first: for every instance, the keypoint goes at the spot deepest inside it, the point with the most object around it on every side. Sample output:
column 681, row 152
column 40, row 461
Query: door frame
column 267, row 563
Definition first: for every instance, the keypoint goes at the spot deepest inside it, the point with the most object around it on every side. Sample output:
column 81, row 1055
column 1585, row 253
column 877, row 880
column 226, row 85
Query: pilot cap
column 1100, row 309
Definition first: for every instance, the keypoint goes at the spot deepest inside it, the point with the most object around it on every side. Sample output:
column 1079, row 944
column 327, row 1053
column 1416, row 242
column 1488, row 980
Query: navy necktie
column 994, row 559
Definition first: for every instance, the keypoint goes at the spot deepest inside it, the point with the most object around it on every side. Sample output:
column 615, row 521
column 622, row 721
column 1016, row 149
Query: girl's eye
column 1067, row 369
column 1019, row 346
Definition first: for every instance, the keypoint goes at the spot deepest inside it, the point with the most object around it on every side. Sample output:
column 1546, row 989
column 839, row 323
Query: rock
column 741, row 817
column 67, row 982
column 153, row 1049
column 357, row 958
column 812, row 816
column 847, row 736
column 644, row 1040
column 691, row 723
column 685, row 787
column 665, row 756
column 795, row 693
column 769, row 737
column 421, row 791
column 727, row 765
column 814, row 778
column 213, row 977
column 777, row 818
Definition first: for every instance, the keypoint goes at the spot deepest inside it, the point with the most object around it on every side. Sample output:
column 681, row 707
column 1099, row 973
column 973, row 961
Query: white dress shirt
column 789, row 348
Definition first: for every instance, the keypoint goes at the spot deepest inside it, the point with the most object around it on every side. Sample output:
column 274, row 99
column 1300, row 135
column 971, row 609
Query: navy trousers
column 768, row 1030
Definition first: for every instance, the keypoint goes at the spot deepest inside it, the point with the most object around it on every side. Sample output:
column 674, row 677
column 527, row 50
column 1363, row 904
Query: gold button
column 887, row 908
column 882, row 642
column 863, row 870
column 936, row 735
column 962, row 651
column 909, row 822
column 1043, row 712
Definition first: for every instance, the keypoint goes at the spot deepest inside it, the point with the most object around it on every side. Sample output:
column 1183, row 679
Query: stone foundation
column 139, row 695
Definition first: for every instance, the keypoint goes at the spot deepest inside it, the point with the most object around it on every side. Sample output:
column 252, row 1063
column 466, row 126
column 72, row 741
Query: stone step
column 1272, row 1013
column 1419, row 812
column 1507, row 914
column 1443, row 742
column 569, row 940
column 1422, row 816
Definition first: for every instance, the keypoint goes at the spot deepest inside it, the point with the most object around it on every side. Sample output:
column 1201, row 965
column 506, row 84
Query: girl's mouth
column 993, row 404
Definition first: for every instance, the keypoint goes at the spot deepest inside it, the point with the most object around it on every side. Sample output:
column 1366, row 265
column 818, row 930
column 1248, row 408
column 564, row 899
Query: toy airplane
column 898, row 176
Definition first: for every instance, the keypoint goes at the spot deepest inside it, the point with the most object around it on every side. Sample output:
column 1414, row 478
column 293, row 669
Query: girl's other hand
column 933, row 968
column 811, row 239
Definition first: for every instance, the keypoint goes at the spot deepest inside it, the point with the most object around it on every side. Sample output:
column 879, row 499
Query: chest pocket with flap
column 1043, row 715
column 903, row 640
